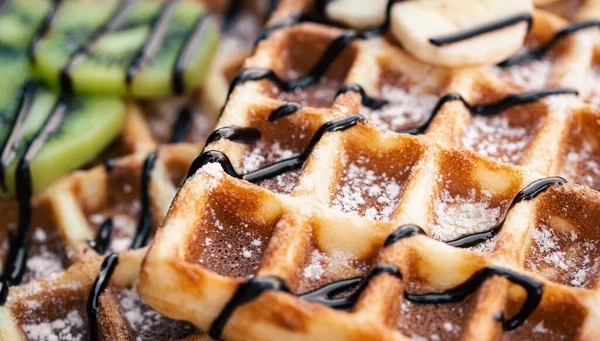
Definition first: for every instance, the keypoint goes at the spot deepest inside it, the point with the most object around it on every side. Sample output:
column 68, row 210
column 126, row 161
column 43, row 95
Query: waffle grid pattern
column 327, row 219
column 105, row 204
column 310, row 227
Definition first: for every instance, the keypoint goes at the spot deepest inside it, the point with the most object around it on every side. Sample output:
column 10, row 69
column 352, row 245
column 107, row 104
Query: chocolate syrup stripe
column 533, row 288
column 194, row 38
column 153, row 40
column 541, row 51
column 279, row 167
column 103, row 239
column 9, row 148
column 114, row 22
column 100, row 284
column 322, row 65
column 100, row 244
column 325, row 295
column 253, row 288
column 4, row 4
column 488, row 109
column 341, row 42
column 234, row 133
column 145, row 221
column 182, row 124
column 43, row 29
column 290, row 108
column 531, row 191
column 16, row 258
column 486, row 28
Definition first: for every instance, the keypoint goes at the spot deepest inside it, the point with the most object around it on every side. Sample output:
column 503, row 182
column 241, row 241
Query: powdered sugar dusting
column 44, row 261
column 581, row 165
column 146, row 323
column 263, row 154
column 319, row 95
column 405, row 108
column 592, row 86
column 533, row 75
column 213, row 169
column 124, row 228
column 564, row 257
column 231, row 248
column 325, row 267
column 66, row 329
column 431, row 322
column 365, row 192
column 494, row 137
column 457, row 216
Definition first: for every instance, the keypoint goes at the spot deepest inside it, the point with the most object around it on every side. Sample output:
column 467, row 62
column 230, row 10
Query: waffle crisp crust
column 296, row 191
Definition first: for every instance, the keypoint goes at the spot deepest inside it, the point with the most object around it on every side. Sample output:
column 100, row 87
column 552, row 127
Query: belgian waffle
column 114, row 205
column 303, row 220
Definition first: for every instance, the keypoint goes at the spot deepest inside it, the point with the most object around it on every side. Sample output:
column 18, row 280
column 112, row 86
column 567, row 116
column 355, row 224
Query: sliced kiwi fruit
column 123, row 48
column 18, row 23
column 89, row 126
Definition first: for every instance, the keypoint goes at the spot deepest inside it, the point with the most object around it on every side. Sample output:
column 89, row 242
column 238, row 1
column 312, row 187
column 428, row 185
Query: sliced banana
column 359, row 14
column 415, row 22
column 589, row 11
column 544, row 2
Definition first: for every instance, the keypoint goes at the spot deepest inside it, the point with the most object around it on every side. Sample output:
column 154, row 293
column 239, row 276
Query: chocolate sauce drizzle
column 234, row 133
column 4, row 5
column 533, row 288
column 488, row 109
column 109, row 165
column 322, row 65
column 16, row 258
column 100, row 244
column 290, row 108
column 103, row 239
column 153, row 40
column 530, row 192
column 246, row 292
column 43, row 29
column 182, row 124
column 404, row 231
column 365, row 100
column 100, row 284
column 144, row 55
column 145, row 222
column 279, row 167
column 542, row 50
column 284, row 110
column 251, row 289
column 485, row 28
column 116, row 19
column 9, row 147
column 194, row 38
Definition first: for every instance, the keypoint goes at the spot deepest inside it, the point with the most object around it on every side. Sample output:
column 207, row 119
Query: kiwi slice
column 89, row 126
column 122, row 48
column 18, row 23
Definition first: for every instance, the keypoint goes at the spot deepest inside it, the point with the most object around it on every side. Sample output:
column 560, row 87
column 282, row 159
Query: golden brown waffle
column 501, row 251
column 62, row 264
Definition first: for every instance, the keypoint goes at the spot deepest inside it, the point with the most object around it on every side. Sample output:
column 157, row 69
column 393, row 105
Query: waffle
column 353, row 192
column 114, row 206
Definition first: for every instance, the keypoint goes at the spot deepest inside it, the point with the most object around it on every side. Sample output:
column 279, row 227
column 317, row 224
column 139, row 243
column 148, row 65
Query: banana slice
column 359, row 14
column 589, row 11
column 544, row 2
column 414, row 23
